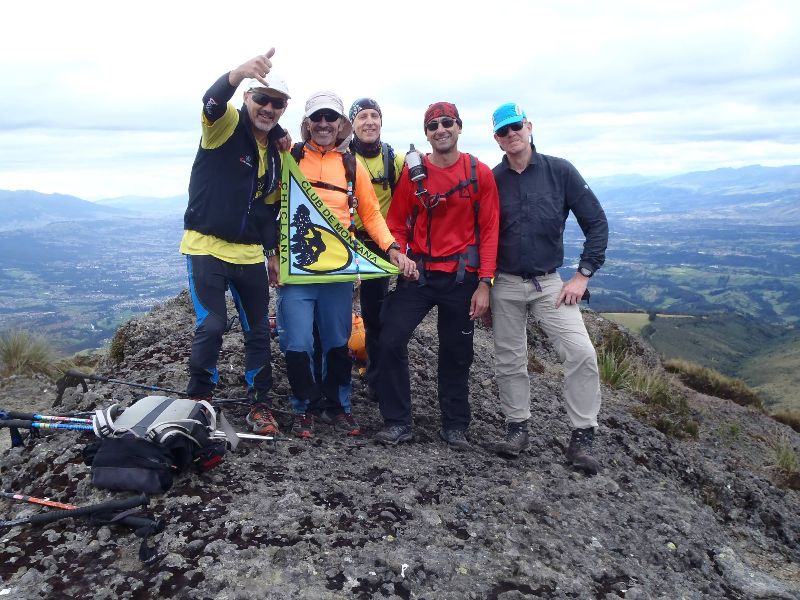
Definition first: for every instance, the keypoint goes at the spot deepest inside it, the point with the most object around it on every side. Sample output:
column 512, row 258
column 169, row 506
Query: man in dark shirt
column 537, row 192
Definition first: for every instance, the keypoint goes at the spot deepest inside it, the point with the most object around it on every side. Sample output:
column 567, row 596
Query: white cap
column 276, row 86
column 322, row 100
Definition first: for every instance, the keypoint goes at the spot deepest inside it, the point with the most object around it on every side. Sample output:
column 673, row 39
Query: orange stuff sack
column 358, row 343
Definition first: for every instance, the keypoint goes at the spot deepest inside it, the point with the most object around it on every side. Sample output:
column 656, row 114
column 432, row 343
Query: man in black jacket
column 537, row 193
column 234, row 197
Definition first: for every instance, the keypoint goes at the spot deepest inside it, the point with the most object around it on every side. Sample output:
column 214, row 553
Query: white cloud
column 102, row 100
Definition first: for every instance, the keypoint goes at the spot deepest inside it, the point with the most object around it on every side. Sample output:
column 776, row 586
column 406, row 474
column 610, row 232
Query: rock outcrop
column 336, row 517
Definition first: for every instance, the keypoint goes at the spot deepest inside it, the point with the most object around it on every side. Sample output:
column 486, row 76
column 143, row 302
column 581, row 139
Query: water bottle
column 416, row 166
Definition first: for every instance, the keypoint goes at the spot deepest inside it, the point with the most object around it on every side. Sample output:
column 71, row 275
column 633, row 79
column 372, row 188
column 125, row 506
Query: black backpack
column 142, row 448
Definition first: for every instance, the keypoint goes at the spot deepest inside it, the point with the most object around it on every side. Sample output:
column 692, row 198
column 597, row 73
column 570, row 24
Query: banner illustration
column 315, row 247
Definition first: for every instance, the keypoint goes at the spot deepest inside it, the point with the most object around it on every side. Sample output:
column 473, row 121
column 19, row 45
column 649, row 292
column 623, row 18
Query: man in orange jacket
column 324, row 130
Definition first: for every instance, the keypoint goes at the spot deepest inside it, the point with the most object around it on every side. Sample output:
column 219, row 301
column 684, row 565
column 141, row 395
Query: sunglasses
column 446, row 123
column 503, row 131
column 331, row 116
column 263, row 100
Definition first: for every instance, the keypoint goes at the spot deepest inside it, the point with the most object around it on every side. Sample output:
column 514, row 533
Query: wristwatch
column 486, row 280
column 393, row 246
column 585, row 272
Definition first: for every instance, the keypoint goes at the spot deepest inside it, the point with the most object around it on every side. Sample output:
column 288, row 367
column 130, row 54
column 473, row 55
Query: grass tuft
column 24, row 353
column 784, row 456
column 664, row 405
column 711, row 382
column 788, row 417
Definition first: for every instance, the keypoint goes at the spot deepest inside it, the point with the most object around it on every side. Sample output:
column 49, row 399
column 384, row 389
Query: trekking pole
column 218, row 434
column 13, row 414
column 42, row 501
column 74, row 374
column 99, row 514
column 74, row 377
column 82, row 511
column 14, row 425
column 28, row 424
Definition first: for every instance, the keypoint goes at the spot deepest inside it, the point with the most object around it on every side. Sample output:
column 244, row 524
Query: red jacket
column 452, row 220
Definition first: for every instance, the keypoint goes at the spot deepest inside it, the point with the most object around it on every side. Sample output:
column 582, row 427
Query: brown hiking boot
column 516, row 439
column 579, row 451
column 303, row 426
column 261, row 420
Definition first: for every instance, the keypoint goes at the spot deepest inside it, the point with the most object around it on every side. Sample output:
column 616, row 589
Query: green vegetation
column 633, row 321
column 784, row 457
column 714, row 383
column 774, row 372
column 788, row 417
column 664, row 405
column 23, row 353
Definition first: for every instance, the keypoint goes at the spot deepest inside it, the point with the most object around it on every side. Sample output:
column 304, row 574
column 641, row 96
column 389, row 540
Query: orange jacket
column 328, row 167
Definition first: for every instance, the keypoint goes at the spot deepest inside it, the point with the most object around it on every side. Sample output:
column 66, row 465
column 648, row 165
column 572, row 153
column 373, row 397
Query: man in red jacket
column 448, row 222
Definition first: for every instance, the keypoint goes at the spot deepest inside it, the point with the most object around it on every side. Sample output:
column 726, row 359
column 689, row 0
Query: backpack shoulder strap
column 349, row 160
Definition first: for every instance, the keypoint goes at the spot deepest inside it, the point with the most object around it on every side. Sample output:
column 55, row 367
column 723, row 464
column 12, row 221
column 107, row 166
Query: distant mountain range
column 755, row 194
column 27, row 209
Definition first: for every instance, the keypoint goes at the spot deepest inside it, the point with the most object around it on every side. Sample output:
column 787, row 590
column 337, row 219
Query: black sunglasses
column 434, row 125
column 503, row 131
column 263, row 100
column 331, row 116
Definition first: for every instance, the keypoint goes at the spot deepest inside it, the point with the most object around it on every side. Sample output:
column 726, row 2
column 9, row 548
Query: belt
column 532, row 274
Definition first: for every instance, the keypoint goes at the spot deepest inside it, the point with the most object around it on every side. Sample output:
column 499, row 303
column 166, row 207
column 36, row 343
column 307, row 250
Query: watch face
column 585, row 272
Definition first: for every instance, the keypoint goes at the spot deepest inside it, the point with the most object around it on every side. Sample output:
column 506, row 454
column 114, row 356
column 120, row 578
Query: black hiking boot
column 455, row 438
column 391, row 435
column 516, row 439
column 579, row 451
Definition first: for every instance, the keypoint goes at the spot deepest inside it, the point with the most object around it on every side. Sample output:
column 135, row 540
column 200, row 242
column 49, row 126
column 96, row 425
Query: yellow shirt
column 375, row 167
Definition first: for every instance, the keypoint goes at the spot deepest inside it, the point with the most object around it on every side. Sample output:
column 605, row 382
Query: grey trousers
column 511, row 299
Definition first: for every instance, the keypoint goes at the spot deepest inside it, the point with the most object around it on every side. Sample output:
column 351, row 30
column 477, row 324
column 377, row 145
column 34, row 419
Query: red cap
column 441, row 109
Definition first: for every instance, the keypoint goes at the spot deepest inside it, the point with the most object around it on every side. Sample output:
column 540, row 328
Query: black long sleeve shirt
column 534, row 206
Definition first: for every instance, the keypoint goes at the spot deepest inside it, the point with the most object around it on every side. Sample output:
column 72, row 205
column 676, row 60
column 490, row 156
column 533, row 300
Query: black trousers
column 371, row 295
column 404, row 309
column 209, row 278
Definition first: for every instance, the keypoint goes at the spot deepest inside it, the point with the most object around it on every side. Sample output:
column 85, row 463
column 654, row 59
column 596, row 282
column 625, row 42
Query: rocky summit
column 705, row 516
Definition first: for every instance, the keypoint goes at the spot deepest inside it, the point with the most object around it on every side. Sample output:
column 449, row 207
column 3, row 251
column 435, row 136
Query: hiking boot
column 326, row 416
column 261, row 421
column 516, row 439
column 391, row 435
column 579, row 451
column 455, row 438
column 303, row 426
column 346, row 424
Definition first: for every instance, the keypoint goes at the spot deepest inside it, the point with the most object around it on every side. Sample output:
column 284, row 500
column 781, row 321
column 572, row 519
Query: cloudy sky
column 103, row 99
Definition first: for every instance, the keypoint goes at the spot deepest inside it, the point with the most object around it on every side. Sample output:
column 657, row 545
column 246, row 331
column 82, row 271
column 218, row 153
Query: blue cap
column 506, row 114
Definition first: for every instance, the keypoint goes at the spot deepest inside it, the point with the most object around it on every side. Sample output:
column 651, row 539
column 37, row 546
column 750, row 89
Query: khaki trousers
column 511, row 300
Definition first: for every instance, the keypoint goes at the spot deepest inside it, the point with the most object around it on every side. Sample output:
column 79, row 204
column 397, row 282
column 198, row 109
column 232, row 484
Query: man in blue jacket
column 229, row 225
column 537, row 193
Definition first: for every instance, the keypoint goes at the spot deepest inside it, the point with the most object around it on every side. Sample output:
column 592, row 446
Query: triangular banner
column 315, row 247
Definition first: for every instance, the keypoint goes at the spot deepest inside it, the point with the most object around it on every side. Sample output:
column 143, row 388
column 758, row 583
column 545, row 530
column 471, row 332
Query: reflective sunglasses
column 331, row 116
column 447, row 123
column 263, row 100
column 503, row 131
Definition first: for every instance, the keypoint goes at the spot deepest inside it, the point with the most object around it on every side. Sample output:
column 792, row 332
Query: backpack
column 142, row 448
column 389, row 179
